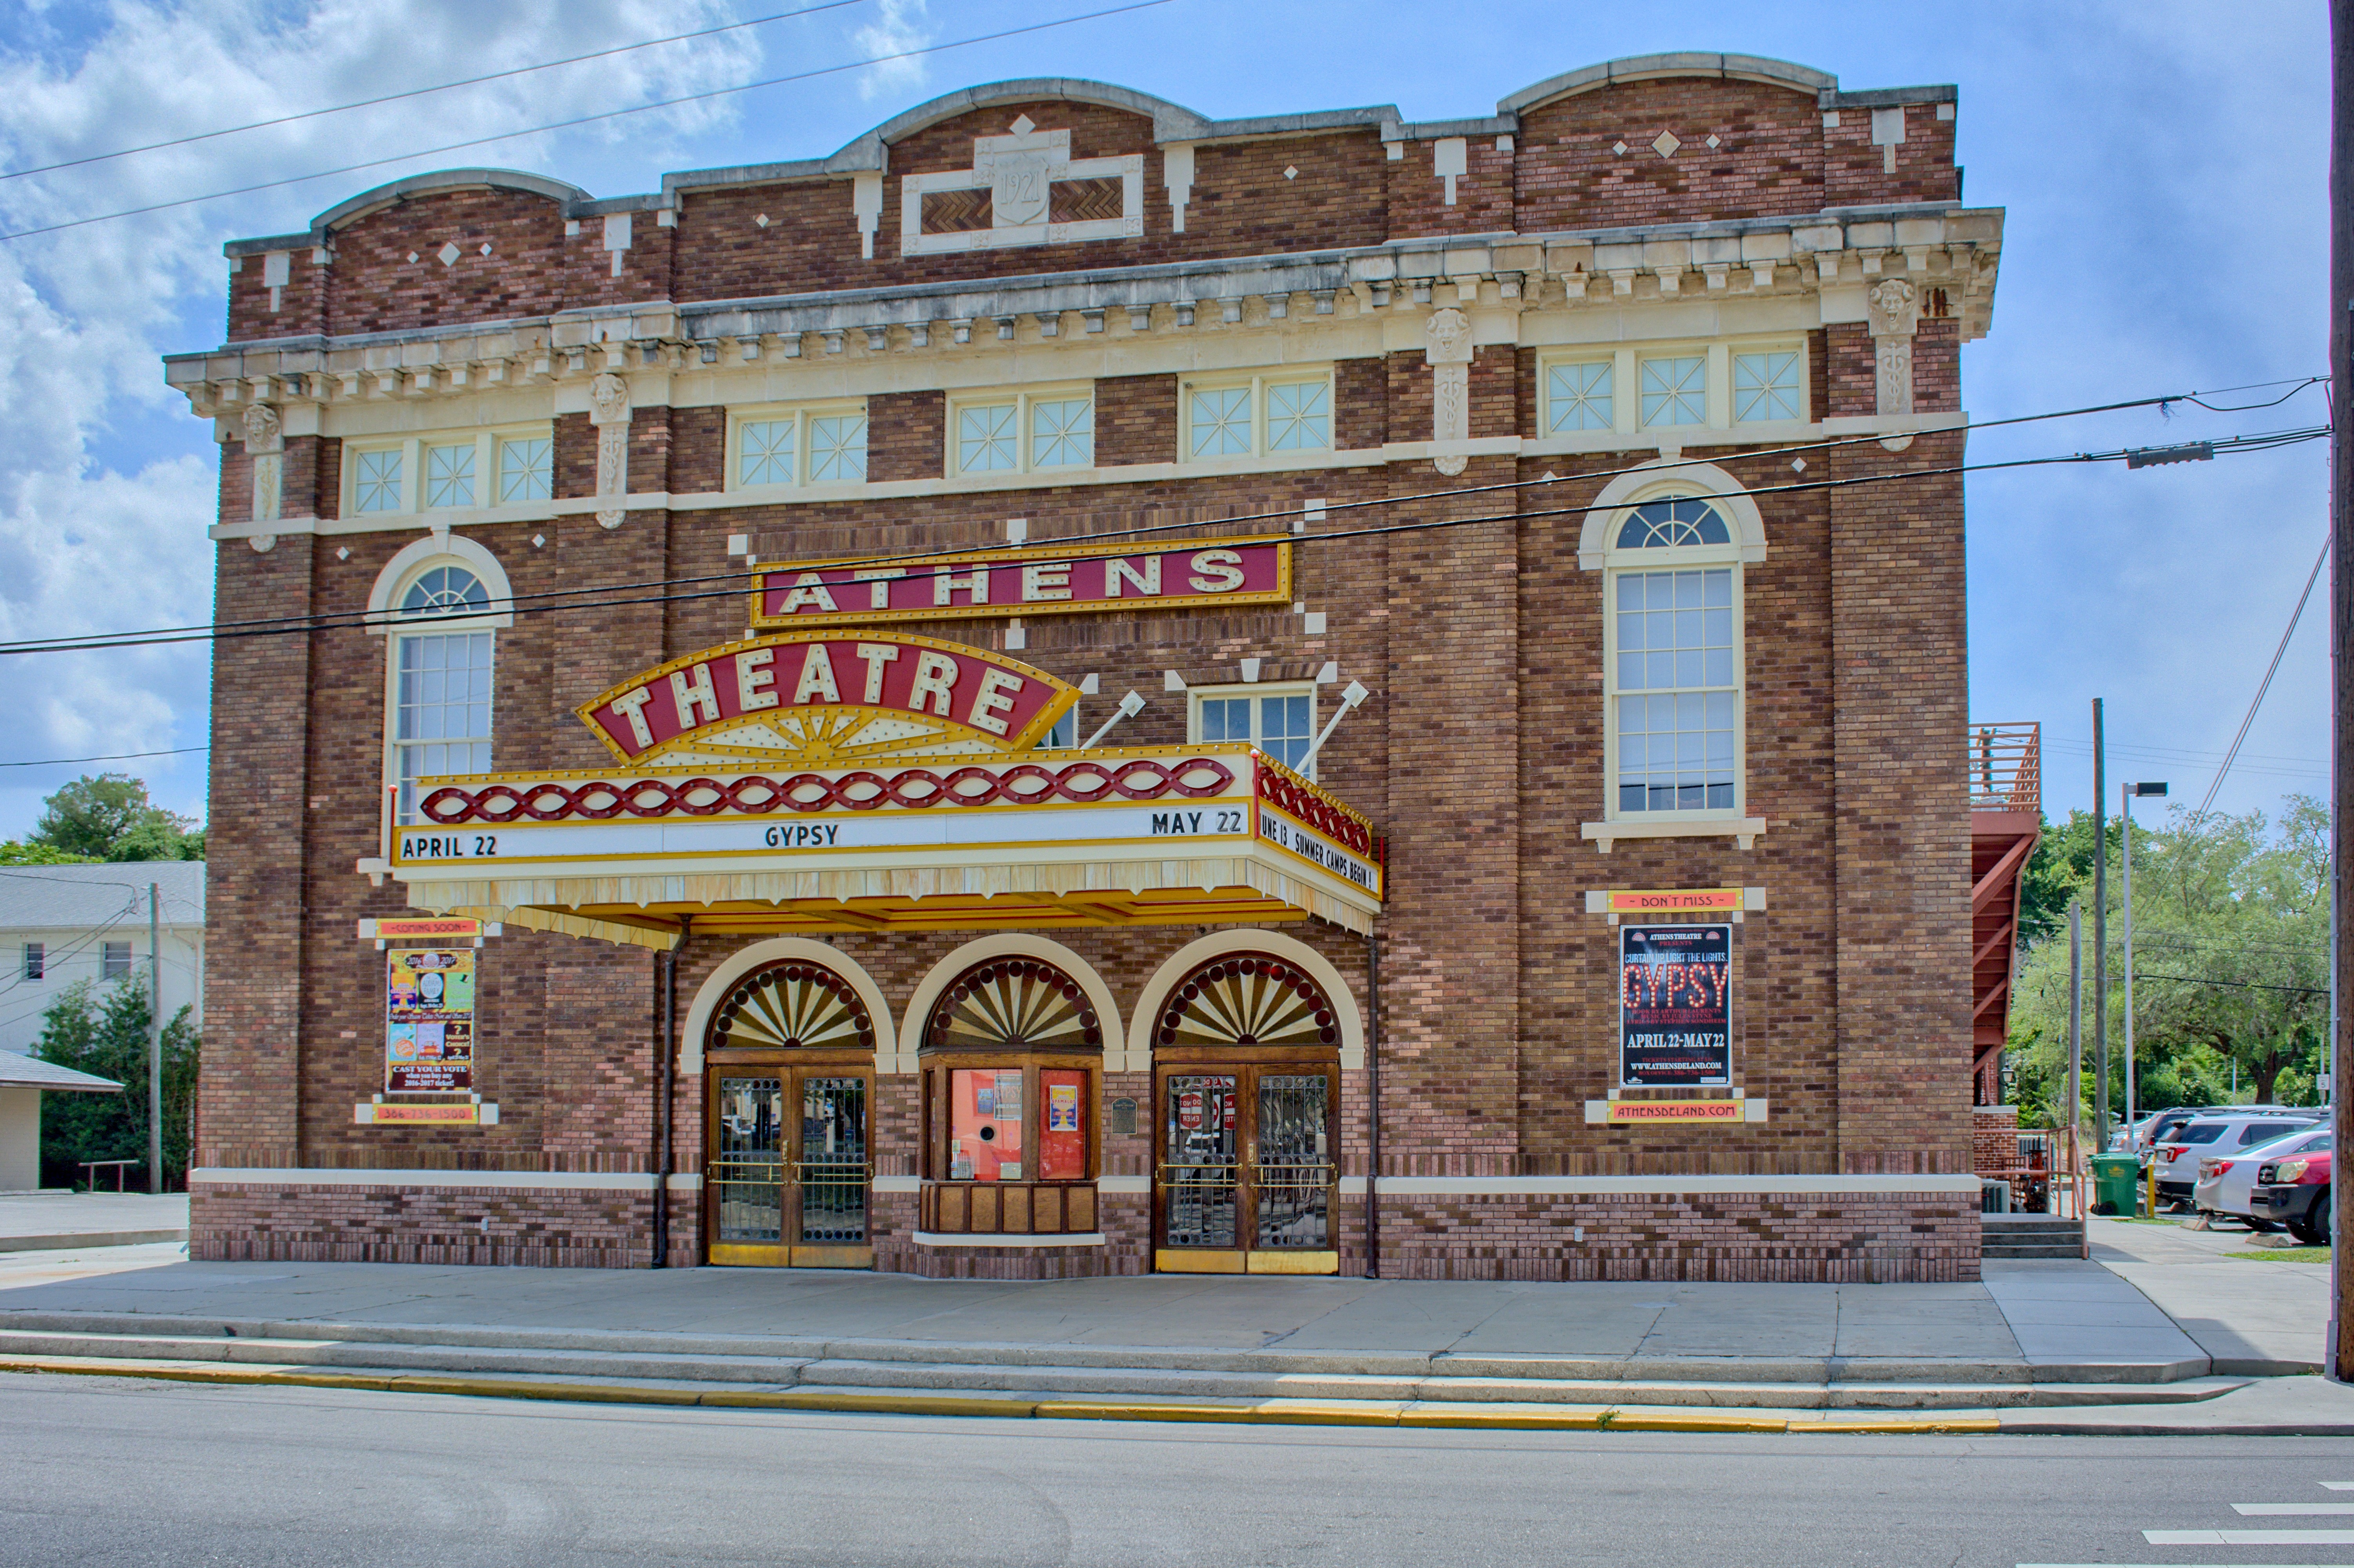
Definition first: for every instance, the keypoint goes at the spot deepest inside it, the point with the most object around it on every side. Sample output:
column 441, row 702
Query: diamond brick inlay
column 1664, row 144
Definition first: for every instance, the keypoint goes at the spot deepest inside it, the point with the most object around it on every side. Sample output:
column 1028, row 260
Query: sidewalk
column 2073, row 1344
column 34, row 1222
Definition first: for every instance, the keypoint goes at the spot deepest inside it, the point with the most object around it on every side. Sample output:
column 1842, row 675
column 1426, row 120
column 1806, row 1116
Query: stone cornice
column 1832, row 254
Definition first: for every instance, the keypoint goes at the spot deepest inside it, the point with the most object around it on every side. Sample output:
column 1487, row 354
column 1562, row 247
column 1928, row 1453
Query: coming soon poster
column 1675, row 1007
column 429, row 1032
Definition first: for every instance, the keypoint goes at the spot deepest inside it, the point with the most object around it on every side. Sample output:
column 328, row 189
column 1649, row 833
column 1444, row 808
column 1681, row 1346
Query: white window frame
column 489, row 444
column 1257, row 383
column 1064, row 734
column 398, row 629
column 37, row 960
column 1025, row 436
column 108, row 970
column 1197, row 695
column 1645, row 360
column 800, row 415
column 1550, row 363
column 1801, row 393
column 1618, row 562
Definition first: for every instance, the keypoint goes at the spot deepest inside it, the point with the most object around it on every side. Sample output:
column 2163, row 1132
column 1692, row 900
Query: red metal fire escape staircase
column 2005, row 817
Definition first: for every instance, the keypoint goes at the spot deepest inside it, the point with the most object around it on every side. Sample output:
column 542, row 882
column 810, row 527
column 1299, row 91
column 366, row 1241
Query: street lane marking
column 2279, row 1510
column 2339, row 1485
column 2249, row 1537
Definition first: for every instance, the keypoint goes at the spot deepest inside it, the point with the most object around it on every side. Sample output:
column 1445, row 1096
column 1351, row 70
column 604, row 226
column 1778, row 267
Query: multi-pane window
column 1280, row 722
column 1675, row 663
column 450, row 472
column 449, row 476
column 1765, row 386
column 1063, row 433
column 526, row 469
column 1675, row 390
column 1263, row 415
column 1017, row 433
column 376, row 482
column 114, row 961
column 797, row 446
column 441, row 685
column 1578, row 396
column 37, row 960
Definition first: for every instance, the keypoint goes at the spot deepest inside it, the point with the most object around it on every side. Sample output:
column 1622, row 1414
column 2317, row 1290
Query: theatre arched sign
column 865, row 780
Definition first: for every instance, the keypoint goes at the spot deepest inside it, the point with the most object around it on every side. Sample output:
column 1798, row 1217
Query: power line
column 574, row 599
column 2239, row 985
column 422, row 91
column 348, row 619
column 586, row 120
column 115, row 757
column 2265, row 684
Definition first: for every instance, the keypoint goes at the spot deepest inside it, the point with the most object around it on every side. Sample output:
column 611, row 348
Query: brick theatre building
column 1077, row 689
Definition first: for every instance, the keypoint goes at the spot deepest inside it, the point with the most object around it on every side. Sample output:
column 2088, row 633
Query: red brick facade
column 1455, row 593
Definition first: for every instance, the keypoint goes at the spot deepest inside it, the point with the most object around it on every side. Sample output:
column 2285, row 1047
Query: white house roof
column 71, row 897
column 31, row 1073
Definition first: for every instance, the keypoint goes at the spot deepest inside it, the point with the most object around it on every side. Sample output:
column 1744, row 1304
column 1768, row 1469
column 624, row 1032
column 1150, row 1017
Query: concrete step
column 2011, row 1251
column 1507, row 1382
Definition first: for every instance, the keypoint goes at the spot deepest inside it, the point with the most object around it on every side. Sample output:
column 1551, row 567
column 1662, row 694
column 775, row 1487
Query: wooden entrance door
column 788, row 1176
column 1246, row 1167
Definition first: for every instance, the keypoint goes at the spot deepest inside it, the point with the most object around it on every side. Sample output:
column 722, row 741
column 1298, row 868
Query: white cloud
column 106, row 483
column 898, row 28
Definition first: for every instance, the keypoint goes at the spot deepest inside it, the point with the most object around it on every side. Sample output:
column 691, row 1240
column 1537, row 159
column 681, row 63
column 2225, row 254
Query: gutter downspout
column 1374, row 1107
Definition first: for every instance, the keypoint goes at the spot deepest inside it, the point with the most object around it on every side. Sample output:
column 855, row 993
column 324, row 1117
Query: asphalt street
column 123, row 1473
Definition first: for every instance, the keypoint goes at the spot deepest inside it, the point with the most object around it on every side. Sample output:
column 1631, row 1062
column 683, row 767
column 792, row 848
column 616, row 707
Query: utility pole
column 155, row 1047
column 2075, row 1033
column 2100, row 935
column 2340, row 1345
column 2126, row 794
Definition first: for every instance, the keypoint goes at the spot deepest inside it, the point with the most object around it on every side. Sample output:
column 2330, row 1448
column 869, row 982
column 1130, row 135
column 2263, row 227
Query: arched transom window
column 1674, row 661
column 441, row 669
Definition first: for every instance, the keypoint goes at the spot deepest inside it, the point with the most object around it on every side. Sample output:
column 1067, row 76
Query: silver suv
column 2177, row 1154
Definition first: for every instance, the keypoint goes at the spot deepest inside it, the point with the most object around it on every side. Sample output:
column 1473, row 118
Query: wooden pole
column 2340, row 1357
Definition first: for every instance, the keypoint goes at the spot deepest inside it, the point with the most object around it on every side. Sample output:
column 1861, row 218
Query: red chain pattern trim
column 1028, row 784
column 1317, row 813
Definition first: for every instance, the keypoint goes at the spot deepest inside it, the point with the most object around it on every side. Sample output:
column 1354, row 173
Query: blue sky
column 2163, row 166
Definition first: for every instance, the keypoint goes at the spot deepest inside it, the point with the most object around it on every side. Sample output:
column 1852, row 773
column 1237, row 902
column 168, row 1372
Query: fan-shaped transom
column 794, row 1004
column 1663, row 524
column 445, row 590
column 1247, row 999
column 1013, row 1004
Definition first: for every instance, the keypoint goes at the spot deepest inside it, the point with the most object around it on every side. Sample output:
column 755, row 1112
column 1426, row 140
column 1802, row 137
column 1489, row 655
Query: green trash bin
column 2114, row 1177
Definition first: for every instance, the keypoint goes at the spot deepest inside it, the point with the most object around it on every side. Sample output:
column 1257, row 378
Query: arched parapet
column 777, row 950
column 1660, row 479
column 1170, row 122
column 1008, row 945
column 1653, row 67
column 1348, row 1007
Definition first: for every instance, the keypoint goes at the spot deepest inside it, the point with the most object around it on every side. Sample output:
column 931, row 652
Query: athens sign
column 1054, row 579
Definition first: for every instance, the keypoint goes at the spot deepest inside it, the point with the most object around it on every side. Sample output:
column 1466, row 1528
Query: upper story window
column 441, row 671
column 1765, row 386
column 810, row 445
column 1578, row 397
column 37, row 960
column 459, row 472
column 1280, row 720
column 1021, row 432
column 114, row 961
column 1064, row 733
column 1675, row 390
column 1255, row 416
column 1672, row 636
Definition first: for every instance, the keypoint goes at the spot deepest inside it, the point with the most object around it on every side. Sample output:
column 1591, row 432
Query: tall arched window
column 1672, row 645
column 441, row 609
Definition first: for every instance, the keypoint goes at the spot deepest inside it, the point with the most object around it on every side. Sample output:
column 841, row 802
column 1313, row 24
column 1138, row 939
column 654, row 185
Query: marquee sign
column 1052, row 579
column 815, row 700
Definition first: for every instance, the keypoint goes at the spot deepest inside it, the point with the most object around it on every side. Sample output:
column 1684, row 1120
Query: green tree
column 12, row 852
column 103, row 1030
column 108, row 817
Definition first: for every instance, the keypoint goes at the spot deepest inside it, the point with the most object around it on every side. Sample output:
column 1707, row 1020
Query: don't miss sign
column 1675, row 1007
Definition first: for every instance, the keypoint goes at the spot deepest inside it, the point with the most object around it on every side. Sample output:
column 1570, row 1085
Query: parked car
column 2154, row 1130
column 2295, row 1193
column 2230, row 1133
column 2225, row 1180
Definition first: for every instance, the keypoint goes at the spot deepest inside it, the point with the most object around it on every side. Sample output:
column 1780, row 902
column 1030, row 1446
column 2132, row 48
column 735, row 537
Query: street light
column 2130, row 791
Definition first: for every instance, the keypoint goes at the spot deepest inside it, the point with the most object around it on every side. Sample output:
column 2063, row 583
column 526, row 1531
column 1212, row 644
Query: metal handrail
column 2006, row 766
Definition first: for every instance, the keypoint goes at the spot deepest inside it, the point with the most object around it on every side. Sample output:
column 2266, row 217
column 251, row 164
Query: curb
column 74, row 1240
column 1300, row 1413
